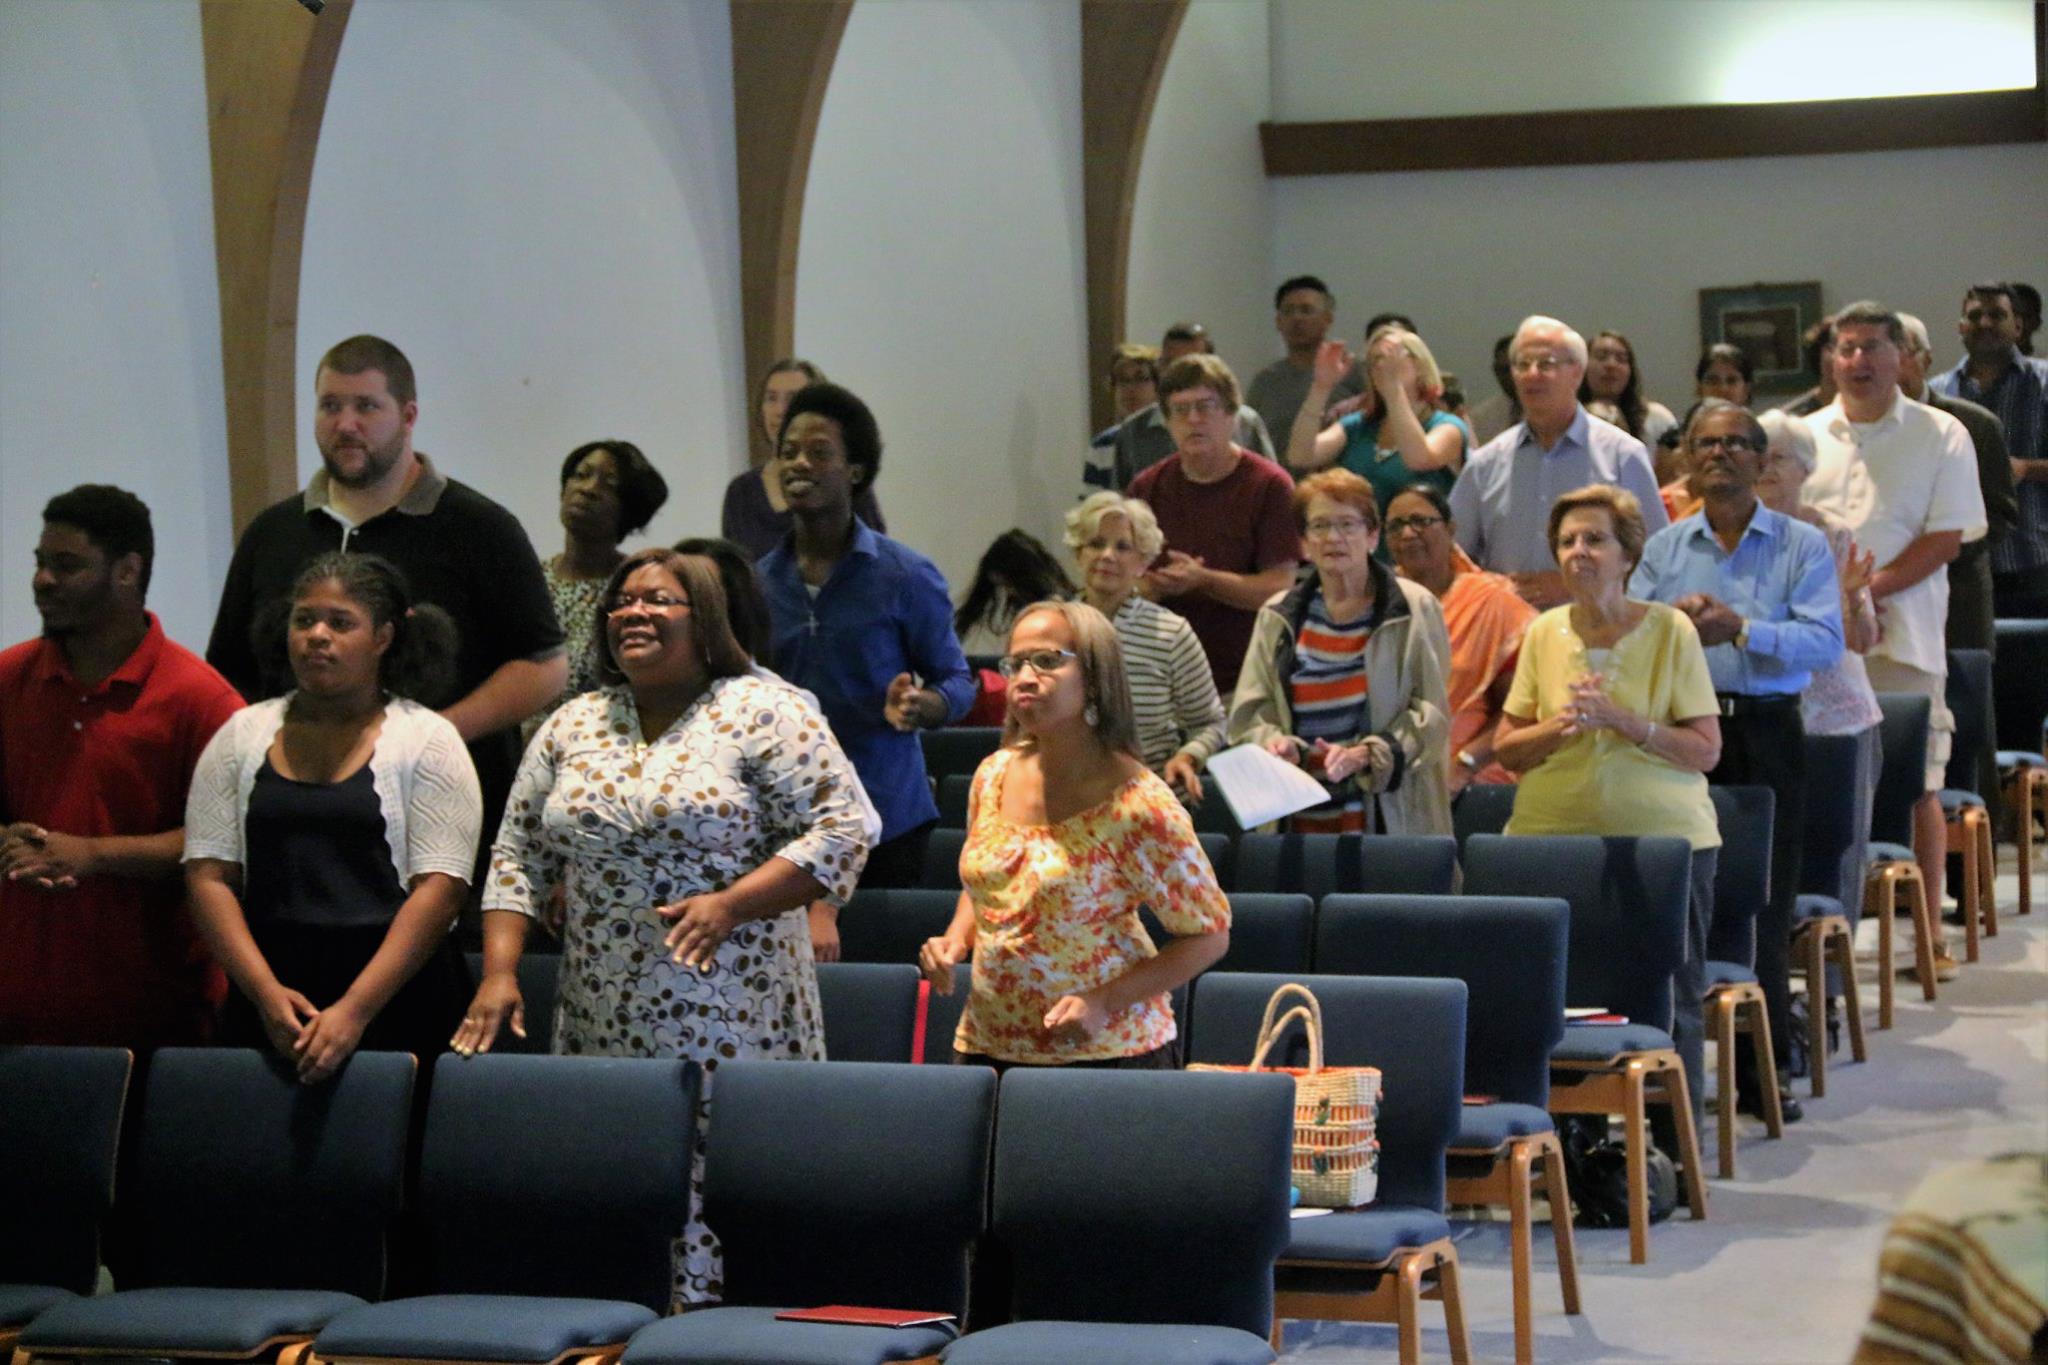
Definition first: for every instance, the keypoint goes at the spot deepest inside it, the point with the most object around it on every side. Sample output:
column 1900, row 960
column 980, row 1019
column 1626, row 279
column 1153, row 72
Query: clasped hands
column 1592, row 709
column 1176, row 574
column 1716, row 621
column 702, row 925
column 318, row 1040
column 43, row 858
column 1373, row 756
column 1071, row 1016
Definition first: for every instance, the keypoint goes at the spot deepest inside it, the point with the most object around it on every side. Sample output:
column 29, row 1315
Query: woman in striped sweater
column 1345, row 674
column 1173, row 693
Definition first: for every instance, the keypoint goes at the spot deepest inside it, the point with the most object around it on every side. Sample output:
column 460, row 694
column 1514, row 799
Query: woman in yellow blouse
column 1069, row 835
column 1612, row 723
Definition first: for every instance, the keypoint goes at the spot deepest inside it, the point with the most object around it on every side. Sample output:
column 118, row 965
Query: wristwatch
column 1742, row 635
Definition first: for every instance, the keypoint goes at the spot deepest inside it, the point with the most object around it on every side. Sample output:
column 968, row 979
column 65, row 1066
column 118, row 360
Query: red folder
column 865, row 1317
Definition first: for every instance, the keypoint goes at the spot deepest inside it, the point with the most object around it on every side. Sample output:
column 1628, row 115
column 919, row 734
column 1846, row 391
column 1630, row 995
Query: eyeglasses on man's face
column 1537, row 364
column 1733, row 445
column 644, row 601
column 1418, row 522
column 1041, row 661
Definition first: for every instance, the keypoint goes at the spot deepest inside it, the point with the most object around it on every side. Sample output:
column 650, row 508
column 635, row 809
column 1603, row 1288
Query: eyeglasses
column 1042, row 661
column 1340, row 526
column 649, row 601
column 1734, row 445
column 1200, row 407
column 1540, row 364
column 1414, row 523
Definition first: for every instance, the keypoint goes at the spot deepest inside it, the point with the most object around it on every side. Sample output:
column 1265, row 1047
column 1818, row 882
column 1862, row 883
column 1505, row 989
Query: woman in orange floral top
column 1069, row 835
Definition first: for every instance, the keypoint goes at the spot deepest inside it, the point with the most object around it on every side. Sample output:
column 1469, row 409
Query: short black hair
column 1188, row 331
column 1727, row 353
column 113, row 519
column 1871, row 313
column 1432, row 494
column 366, row 352
column 1379, row 320
column 1990, row 289
column 856, row 424
column 1288, row 286
column 421, row 663
column 642, row 490
column 1818, row 338
column 2026, row 299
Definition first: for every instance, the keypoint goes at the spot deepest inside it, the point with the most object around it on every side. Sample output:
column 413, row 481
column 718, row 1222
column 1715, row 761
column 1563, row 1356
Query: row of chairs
column 548, row 1189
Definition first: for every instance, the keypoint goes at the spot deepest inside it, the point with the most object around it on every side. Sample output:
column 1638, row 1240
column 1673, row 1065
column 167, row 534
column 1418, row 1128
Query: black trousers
column 1766, row 747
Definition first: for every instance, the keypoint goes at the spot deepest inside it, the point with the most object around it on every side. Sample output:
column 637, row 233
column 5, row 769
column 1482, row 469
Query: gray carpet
column 1784, row 1267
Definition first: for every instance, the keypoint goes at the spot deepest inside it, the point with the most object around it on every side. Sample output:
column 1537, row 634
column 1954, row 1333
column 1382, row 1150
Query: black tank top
column 317, row 853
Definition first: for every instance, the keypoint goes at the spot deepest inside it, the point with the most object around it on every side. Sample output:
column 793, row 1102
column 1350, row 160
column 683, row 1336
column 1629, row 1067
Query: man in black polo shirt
column 460, row 551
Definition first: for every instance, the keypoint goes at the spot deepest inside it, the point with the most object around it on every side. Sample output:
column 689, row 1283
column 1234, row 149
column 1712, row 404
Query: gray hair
column 1537, row 322
column 1916, row 333
column 1084, row 519
column 1783, row 431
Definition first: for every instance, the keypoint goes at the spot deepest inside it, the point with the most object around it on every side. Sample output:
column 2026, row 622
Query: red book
column 865, row 1317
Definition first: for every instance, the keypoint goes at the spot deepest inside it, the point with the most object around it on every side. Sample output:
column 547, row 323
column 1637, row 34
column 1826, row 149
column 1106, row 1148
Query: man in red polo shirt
column 101, row 723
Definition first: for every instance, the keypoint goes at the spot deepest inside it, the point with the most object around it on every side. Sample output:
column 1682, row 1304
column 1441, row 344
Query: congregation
column 675, row 766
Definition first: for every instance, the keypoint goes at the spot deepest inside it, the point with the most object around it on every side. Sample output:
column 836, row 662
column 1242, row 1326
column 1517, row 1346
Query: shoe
column 1753, row 1105
column 1945, row 967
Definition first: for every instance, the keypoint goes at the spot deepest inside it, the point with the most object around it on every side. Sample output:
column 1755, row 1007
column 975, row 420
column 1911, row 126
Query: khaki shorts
column 1889, row 675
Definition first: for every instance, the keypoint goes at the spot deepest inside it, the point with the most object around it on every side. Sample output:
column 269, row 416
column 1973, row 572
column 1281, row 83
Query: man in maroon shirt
column 1231, row 537
column 102, row 721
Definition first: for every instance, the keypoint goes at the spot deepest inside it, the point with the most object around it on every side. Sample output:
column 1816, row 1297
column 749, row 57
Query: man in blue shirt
column 862, row 621
column 1501, row 502
column 1761, row 590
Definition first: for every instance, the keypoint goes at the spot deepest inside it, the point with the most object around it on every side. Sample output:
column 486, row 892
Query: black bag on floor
column 1596, row 1168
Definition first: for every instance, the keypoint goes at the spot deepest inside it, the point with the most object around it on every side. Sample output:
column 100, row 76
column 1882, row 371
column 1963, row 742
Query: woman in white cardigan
column 1346, row 673
column 330, row 833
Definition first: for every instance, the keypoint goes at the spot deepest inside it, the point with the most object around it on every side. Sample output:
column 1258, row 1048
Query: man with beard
column 458, row 549
column 102, row 721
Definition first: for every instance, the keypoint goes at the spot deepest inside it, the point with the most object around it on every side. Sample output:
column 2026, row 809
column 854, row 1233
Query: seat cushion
column 2020, row 758
column 1603, row 1042
column 21, row 1302
column 172, row 1321
column 1037, row 1343
column 1362, row 1236
column 479, row 1327
column 1728, row 974
column 1882, row 851
column 1811, row 907
column 753, row 1336
column 1954, row 799
column 1483, row 1127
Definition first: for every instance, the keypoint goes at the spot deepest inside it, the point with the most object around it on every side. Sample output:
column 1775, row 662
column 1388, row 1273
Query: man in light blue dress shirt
column 1760, row 588
column 1501, row 502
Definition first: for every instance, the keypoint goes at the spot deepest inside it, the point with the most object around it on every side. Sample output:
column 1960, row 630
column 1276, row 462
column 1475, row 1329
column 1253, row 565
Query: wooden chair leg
column 1679, row 1096
column 1962, row 840
column 1919, row 900
column 1767, row 1064
column 1880, row 896
column 1635, row 1142
column 1987, row 873
column 1559, row 1194
column 1521, row 1234
column 2028, row 792
column 1721, row 1010
column 1816, row 1011
column 1844, row 953
column 1454, row 1307
column 1408, row 1310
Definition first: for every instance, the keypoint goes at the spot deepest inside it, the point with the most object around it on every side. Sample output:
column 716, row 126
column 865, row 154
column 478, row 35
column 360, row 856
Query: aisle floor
column 1784, row 1267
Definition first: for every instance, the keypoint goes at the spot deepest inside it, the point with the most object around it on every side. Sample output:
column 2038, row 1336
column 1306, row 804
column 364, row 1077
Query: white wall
column 1201, row 223
column 109, row 316
column 534, row 199
column 941, row 269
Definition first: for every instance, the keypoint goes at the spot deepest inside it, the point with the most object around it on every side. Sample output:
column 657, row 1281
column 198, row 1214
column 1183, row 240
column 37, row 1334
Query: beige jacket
column 1406, row 662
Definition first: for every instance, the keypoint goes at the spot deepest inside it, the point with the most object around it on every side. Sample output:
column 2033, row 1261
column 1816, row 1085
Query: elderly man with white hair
column 1501, row 502
column 1969, row 573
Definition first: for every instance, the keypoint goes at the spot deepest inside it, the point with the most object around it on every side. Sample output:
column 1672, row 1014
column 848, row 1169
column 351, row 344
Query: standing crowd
column 681, row 762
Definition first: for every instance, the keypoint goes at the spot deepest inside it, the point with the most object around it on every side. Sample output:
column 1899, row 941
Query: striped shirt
column 1326, row 693
column 1173, row 693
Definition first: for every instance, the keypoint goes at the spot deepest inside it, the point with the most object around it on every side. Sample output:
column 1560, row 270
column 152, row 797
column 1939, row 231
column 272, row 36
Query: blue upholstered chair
column 891, row 925
column 1482, row 808
column 942, row 856
column 1369, row 1264
column 259, row 1207
column 1629, row 901
column 60, row 1126
column 1735, row 999
column 1823, row 929
column 1894, row 874
column 1142, row 1211
column 1214, row 816
column 1320, row 865
column 1965, row 815
column 942, row 1017
column 2018, row 666
column 828, row 1183
column 540, row 980
column 1269, row 932
column 550, row 1189
column 952, row 793
column 1510, row 953
column 870, row 1010
column 958, row 749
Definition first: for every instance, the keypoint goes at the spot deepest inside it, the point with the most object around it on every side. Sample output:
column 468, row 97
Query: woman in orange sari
column 1482, row 612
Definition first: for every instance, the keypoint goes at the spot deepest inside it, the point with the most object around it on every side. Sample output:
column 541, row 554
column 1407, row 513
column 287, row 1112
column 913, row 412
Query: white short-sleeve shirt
column 1910, row 473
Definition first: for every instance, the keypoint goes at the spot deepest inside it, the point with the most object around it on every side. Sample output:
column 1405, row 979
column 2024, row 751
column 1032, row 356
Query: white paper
column 1261, row 788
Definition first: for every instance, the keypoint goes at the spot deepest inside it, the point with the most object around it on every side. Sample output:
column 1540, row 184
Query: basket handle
column 1312, row 1025
column 1286, row 989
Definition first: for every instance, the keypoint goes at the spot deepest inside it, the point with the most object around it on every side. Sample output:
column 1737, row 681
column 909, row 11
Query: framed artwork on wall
column 1767, row 322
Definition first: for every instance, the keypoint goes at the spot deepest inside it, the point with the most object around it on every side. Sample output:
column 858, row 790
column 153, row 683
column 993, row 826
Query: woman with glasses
column 1069, row 835
column 1484, row 615
column 1174, row 705
column 691, row 811
column 1345, row 675
column 1400, row 433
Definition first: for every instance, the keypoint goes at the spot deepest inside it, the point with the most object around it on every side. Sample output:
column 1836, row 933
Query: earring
column 1090, row 716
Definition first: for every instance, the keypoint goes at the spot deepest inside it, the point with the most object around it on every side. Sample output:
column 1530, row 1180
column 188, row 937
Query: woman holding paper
column 1174, row 705
column 1345, row 674
column 1068, row 837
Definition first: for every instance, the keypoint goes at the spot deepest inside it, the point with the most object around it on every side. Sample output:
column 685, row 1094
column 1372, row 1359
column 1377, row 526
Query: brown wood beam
column 269, row 64
column 782, row 55
column 1124, row 47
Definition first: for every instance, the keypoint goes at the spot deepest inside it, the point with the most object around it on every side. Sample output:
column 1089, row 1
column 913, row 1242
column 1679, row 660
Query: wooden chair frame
column 1402, row 1282
column 2026, row 790
column 1740, row 1005
column 1969, row 835
column 1882, row 887
column 1628, row 1085
column 290, row 1349
column 1521, row 1166
column 1815, row 944
column 302, row 1354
